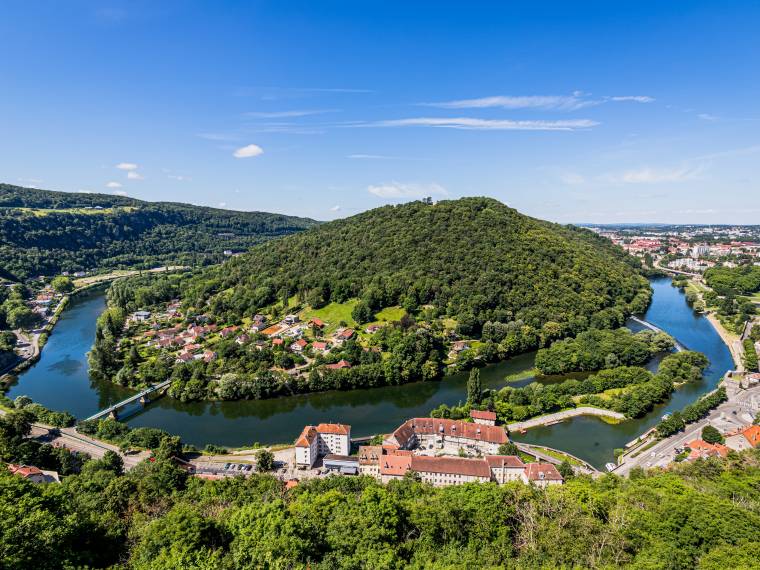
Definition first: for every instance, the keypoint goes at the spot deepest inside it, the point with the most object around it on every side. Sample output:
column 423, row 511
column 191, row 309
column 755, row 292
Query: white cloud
column 546, row 102
column 248, row 151
column 554, row 102
column 113, row 185
column 658, row 176
column 132, row 175
column 179, row 177
column 119, row 193
column 468, row 123
column 634, row 98
column 335, row 208
column 707, row 117
column 370, row 157
column 126, row 166
column 286, row 114
column 407, row 190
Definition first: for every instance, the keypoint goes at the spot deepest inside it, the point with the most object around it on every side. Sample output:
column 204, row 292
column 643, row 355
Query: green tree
column 62, row 284
column 264, row 460
column 509, row 448
column 474, row 387
column 711, row 435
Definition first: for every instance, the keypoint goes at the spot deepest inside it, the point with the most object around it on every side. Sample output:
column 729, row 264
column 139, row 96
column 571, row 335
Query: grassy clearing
column 42, row 212
column 559, row 455
column 389, row 314
column 332, row 314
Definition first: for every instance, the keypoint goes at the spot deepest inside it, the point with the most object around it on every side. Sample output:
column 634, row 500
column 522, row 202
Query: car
column 227, row 465
column 248, row 468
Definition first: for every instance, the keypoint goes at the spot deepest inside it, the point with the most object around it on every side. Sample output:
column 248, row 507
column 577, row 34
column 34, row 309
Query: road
column 73, row 441
column 735, row 413
column 559, row 416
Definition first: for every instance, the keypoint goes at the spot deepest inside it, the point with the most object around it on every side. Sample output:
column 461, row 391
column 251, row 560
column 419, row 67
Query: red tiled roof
column 337, row 429
column 704, row 449
column 319, row 345
column 317, row 322
column 483, row 415
column 452, row 465
column 433, row 426
column 752, row 434
column 307, row 436
column 395, row 464
column 346, row 333
column 542, row 472
column 24, row 470
column 338, row 365
column 505, row 461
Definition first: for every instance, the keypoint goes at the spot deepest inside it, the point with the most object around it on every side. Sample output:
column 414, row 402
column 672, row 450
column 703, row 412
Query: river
column 60, row 381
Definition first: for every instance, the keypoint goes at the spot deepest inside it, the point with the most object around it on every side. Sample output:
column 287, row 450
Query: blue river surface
column 60, row 381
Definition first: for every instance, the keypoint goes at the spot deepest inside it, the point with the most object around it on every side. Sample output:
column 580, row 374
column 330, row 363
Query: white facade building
column 318, row 441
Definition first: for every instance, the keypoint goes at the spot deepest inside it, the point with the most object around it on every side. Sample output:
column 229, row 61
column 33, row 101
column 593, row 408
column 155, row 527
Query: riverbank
column 731, row 340
column 558, row 417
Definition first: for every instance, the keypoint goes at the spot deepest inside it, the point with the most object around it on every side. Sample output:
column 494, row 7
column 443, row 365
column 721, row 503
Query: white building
column 483, row 417
column 318, row 441
column 505, row 468
column 441, row 434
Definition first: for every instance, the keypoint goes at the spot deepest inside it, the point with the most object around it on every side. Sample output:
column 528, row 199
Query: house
column 320, row 347
column 277, row 342
column 369, row 460
column 184, row 358
column 372, row 329
column 208, row 355
column 290, row 484
column 700, row 449
column 318, row 323
column 292, row 319
column 140, row 316
column 344, row 335
column 242, row 339
column 340, row 365
column 260, row 344
column 323, row 439
column 746, row 438
column 227, row 331
column 299, row 345
column 483, row 417
column 459, row 345
column 434, row 433
column 33, row 474
column 541, row 475
column 505, row 468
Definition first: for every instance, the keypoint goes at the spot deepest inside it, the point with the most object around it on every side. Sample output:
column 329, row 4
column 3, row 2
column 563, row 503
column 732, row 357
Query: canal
column 60, row 381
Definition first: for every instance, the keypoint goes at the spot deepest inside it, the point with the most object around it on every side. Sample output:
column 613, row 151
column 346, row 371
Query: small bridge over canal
column 141, row 397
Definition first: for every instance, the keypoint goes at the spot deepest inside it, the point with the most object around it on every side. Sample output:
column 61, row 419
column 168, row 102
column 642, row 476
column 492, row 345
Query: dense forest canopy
column 743, row 280
column 473, row 259
column 701, row 515
column 45, row 232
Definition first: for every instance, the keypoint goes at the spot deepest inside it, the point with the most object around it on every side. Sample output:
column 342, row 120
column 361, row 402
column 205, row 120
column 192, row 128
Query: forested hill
column 472, row 259
column 46, row 232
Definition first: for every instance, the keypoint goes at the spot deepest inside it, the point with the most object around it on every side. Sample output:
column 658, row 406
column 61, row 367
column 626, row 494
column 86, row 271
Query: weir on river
column 60, row 381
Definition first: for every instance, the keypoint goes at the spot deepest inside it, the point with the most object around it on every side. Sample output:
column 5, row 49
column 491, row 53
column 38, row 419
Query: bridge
column 142, row 397
column 679, row 347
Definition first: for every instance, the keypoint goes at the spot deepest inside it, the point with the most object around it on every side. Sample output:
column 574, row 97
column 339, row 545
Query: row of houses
column 387, row 463
column 739, row 440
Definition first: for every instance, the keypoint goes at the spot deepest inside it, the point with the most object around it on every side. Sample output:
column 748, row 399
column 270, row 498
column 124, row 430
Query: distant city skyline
column 592, row 113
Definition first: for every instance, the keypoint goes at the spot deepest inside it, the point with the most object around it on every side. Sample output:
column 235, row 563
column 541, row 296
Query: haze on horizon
column 594, row 112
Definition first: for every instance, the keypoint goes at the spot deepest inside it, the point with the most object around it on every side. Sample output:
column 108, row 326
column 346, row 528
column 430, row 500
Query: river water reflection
column 60, row 381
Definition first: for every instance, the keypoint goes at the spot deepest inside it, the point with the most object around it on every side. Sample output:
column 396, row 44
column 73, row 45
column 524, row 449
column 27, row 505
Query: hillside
column 46, row 232
column 442, row 285
column 473, row 259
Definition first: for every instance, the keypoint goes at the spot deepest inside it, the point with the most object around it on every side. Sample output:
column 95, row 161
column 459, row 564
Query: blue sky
column 572, row 112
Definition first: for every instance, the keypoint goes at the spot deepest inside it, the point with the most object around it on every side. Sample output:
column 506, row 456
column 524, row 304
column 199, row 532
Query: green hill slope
column 474, row 259
column 46, row 232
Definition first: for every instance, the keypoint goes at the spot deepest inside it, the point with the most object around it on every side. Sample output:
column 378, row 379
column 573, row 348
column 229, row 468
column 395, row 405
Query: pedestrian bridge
column 141, row 397
column 679, row 347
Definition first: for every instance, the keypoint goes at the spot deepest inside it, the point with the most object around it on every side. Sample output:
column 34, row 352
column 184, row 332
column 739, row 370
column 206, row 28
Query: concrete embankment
column 566, row 414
